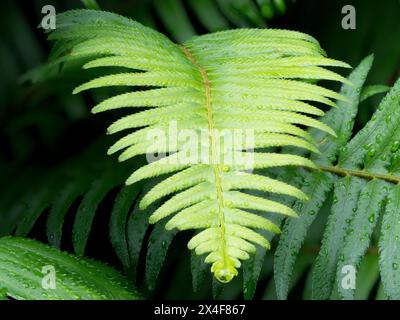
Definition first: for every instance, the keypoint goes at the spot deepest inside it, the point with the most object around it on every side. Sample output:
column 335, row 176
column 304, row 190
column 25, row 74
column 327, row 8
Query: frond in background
column 363, row 173
column 25, row 263
column 212, row 82
column 182, row 18
column 77, row 180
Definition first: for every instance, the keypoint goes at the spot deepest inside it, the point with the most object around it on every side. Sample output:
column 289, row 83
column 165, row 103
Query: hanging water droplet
column 224, row 275
column 395, row 266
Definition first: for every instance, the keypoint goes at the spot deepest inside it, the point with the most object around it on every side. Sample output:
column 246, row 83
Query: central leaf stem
column 214, row 145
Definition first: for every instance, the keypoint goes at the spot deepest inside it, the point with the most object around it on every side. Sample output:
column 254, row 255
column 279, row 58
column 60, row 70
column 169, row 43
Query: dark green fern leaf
column 341, row 119
column 159, row 243
column 389, row 245
column 362, row 224
column 23, row 265
column 370, row 165
column 346, row 193
column 118, row 222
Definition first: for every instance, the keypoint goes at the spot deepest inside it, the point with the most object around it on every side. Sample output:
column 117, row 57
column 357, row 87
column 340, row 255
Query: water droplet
column 395, row 266
column 367, row 146
column 371, row 152
column 395, row 146
column 225, row 275
column 300, row 206
column 378, row 138
column 371, row 218
column 228, row 203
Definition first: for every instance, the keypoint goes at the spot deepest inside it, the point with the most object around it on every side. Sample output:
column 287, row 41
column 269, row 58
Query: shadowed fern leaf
column 242, row 79
column 214, row 15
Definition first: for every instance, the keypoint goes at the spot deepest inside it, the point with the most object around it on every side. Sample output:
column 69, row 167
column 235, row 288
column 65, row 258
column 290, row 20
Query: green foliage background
column 52, row 148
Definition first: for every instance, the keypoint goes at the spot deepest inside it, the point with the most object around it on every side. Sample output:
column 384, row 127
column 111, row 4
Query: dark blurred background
column 42, row 124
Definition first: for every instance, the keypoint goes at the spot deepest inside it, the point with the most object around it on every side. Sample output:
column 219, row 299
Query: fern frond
column 389, row 245
column 208, row 84
column 23, row 266
column 318, row 184
column 369, row 164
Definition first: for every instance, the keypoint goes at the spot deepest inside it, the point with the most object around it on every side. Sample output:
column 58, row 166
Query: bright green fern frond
column 232, row 94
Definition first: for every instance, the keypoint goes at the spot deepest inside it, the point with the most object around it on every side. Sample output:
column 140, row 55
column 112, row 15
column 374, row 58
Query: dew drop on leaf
column 395, row 146
column 371, row 218
column 371, row 152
